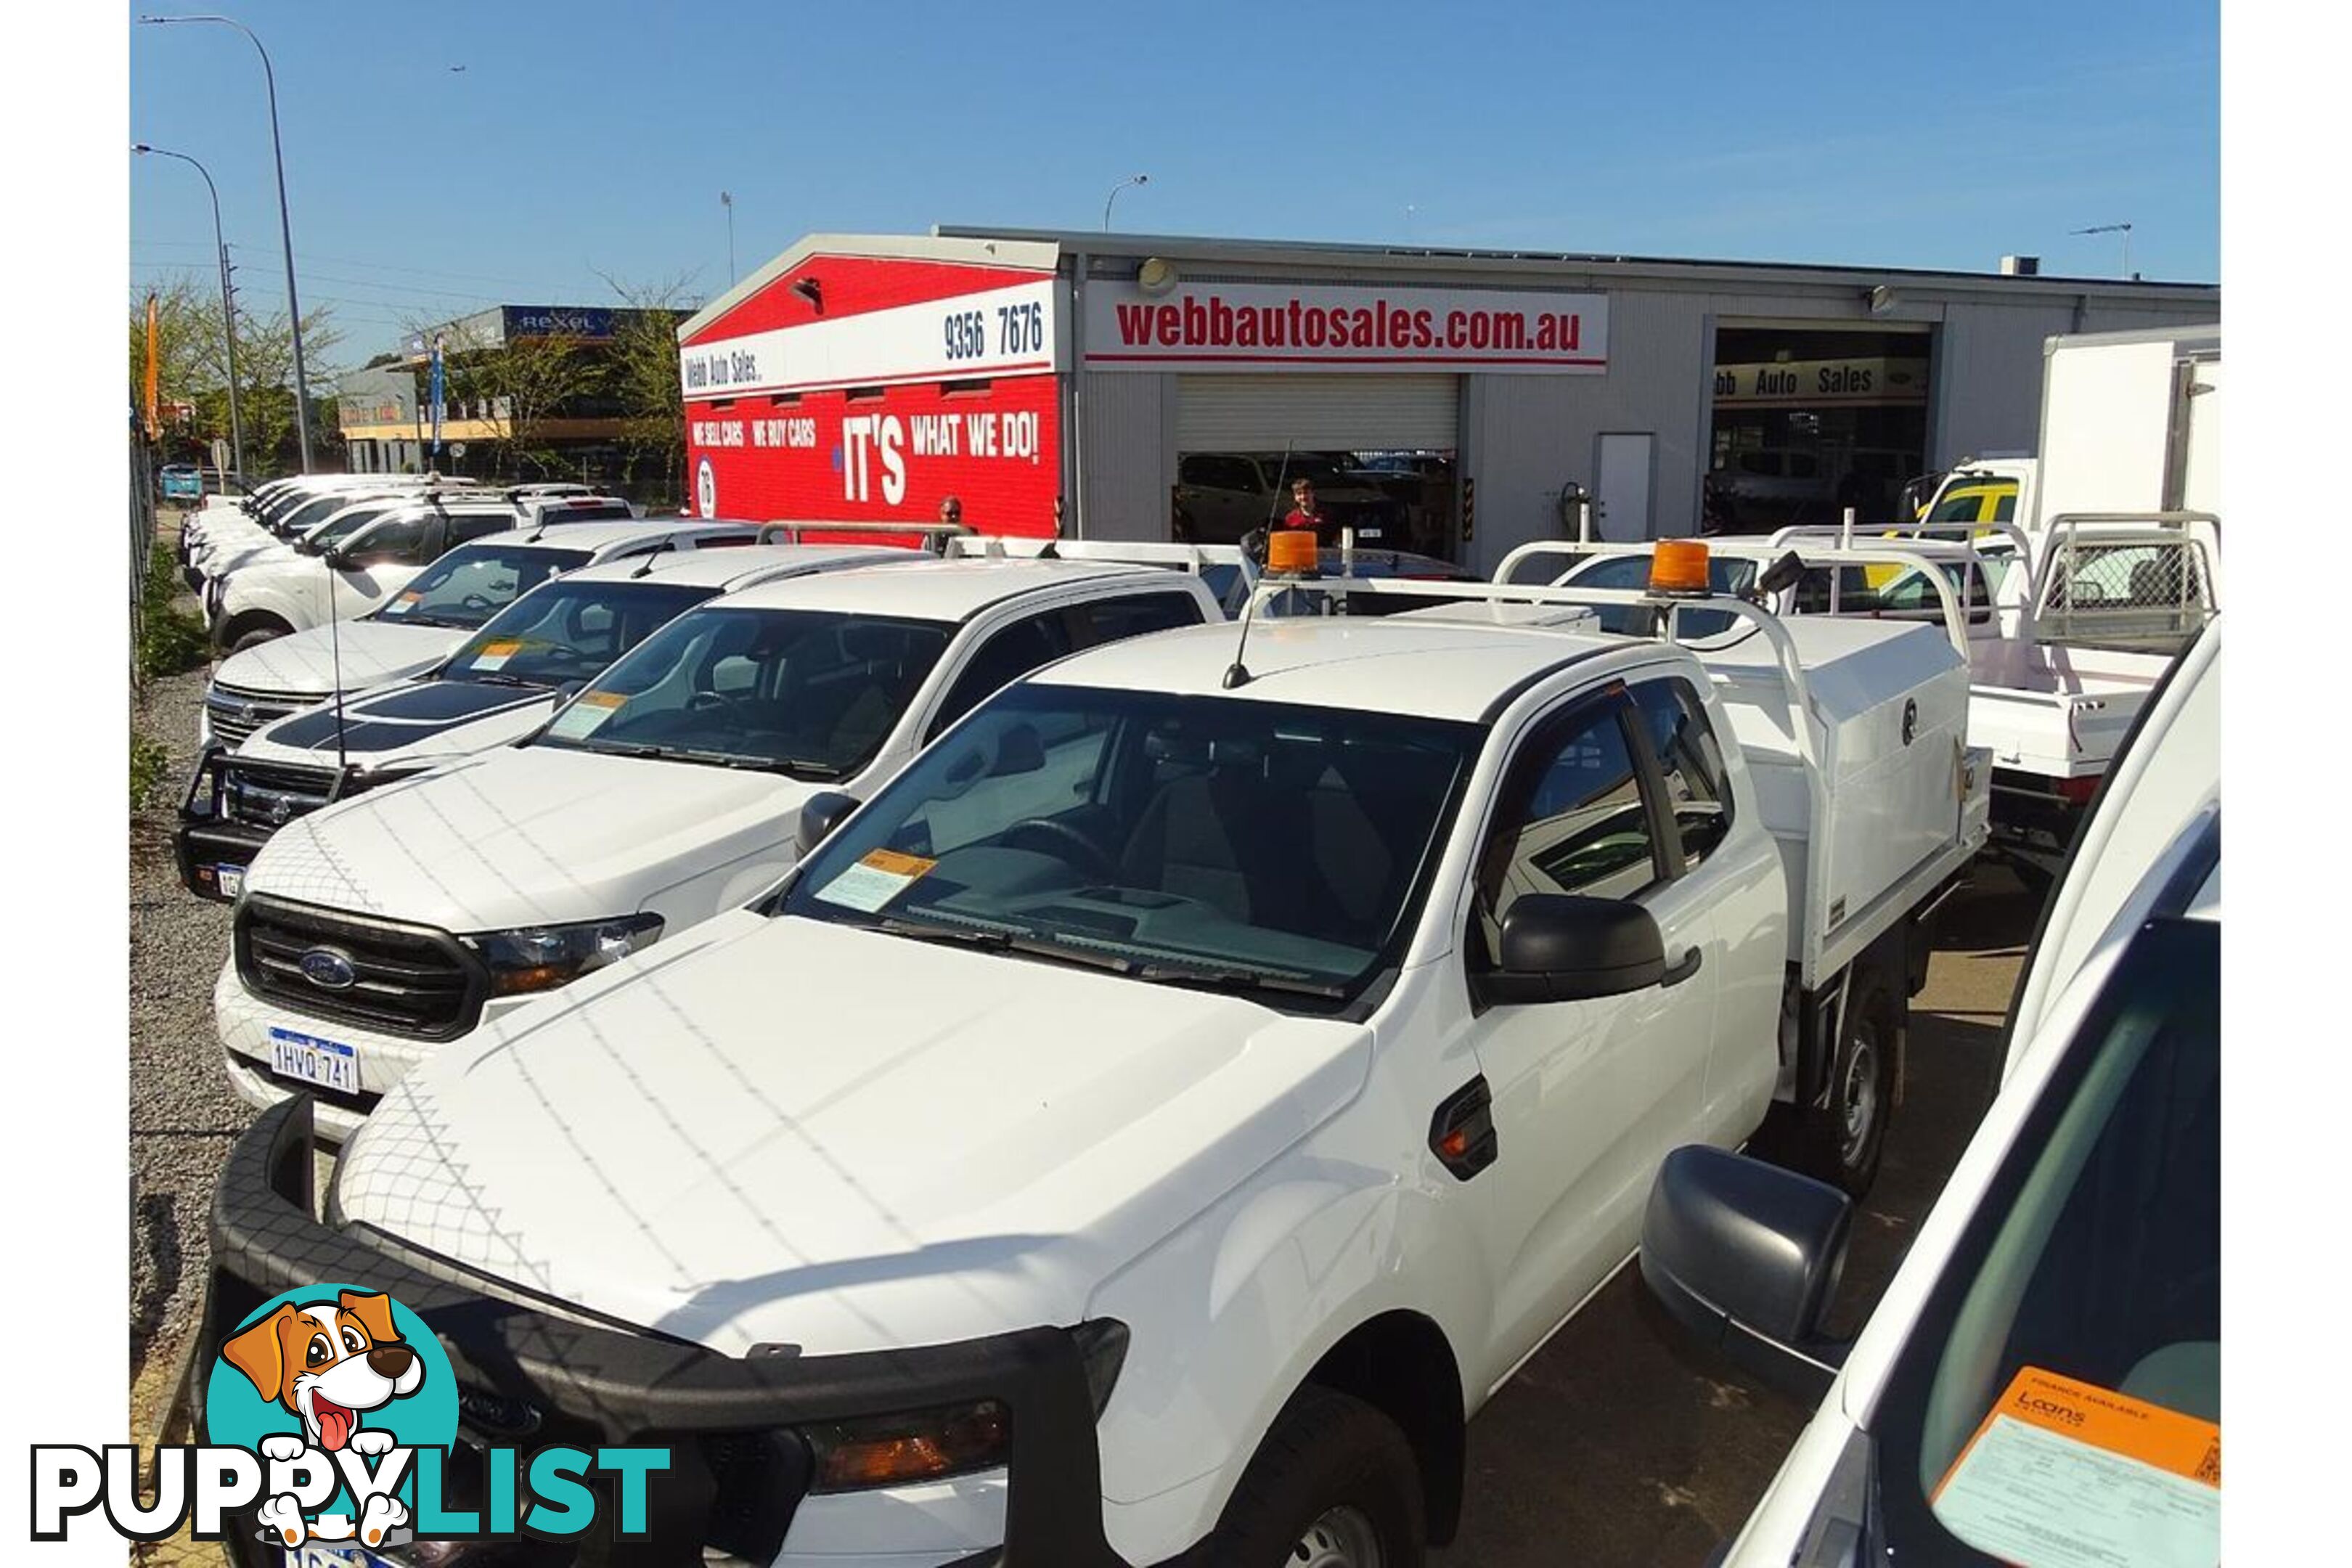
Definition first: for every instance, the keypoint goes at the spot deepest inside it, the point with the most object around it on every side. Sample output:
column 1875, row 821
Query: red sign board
column 899, row 412
column 891, row 456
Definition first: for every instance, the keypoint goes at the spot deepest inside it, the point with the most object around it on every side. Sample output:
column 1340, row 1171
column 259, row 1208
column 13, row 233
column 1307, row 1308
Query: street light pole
column 1130, row 180
column 285, row 228
column 229, row 309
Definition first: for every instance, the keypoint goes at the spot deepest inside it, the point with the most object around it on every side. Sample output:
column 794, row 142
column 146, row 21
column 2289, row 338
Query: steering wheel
column 476, row 602
column 704, row 701
column 1092, row 856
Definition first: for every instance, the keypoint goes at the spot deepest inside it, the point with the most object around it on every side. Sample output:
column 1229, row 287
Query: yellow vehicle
column 1973, row 498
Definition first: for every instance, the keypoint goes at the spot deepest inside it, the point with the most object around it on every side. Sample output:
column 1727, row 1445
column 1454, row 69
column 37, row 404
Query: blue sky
column 595, row 136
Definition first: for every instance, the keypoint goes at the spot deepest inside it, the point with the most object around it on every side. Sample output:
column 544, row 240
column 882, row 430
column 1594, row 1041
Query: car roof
column 1389, row 664
column 609, row 533
column 719, row 568
column 927, row 589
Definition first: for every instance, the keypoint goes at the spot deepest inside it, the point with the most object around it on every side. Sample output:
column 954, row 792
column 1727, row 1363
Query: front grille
column 236, row 712
column 271, row 795
column 407, row 980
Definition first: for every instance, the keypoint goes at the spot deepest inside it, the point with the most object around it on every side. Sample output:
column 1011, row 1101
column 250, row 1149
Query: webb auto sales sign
column 1238, row 326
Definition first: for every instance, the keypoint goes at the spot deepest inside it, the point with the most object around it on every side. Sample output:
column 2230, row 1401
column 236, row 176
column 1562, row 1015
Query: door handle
column 1683, row 970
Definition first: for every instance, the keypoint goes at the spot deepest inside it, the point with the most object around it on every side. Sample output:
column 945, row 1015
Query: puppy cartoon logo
column 336, row 1388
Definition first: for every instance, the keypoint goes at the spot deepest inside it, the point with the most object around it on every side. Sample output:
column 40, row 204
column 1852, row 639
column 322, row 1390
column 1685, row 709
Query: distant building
column 516, row 404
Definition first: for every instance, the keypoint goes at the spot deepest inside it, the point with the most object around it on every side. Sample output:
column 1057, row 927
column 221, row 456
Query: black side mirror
column 1018, row 750
column 1747, row 1257
column 335, row 559
column 1782, row 574
column 1564, row 947
column 821, row 814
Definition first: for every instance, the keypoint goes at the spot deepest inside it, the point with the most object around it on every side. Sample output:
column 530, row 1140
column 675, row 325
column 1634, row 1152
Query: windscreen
column 473, row 582
column 809, row 693
column 1267, row 848
column 2062, row 1388
column 564, row 633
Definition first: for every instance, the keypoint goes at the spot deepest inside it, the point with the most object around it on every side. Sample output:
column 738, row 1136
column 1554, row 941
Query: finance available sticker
column 2063, row 1474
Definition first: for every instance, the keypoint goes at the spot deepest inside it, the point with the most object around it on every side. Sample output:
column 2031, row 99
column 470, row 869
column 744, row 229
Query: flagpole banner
column 437, row 393
column 154, row 412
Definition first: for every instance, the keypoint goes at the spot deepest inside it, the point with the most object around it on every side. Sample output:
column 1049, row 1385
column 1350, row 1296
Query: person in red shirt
column 1303, row 514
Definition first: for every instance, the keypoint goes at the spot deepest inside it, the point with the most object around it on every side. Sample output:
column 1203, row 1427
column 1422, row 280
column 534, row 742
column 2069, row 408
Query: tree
column 192, row 366
column 644, row 357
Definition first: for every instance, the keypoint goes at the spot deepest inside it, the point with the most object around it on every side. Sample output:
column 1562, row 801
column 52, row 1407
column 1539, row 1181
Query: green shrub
column 170, row 639
column 149, row 763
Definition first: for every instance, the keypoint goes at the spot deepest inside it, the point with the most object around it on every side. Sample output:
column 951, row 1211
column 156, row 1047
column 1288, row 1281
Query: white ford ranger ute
column 439, row 609
column 372, row 933
column 500, row 686
column 1154, row 1124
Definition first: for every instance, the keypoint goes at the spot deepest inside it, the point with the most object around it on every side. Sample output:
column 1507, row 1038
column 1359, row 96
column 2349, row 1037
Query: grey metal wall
column 1127, row 460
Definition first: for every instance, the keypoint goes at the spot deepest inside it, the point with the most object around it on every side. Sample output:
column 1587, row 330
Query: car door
column 1586, row 1096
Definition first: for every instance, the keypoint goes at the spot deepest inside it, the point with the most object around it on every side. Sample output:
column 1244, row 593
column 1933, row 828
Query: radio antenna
column 335, row 662
column 1237, row 673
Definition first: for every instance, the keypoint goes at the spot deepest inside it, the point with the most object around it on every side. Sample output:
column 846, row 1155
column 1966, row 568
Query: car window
column 473, row 582
column 1010, row 652
column 1133, row 614
column 1699, row 794
column 467, row 526
column 1573, row 820
column 808, row 693
column 392, row 542
column 570, row 631
column 1271, row 849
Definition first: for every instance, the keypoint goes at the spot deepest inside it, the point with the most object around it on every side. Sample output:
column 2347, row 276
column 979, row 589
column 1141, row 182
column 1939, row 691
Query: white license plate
column 329, row 1064
column 232, row 880
column 339, row 1555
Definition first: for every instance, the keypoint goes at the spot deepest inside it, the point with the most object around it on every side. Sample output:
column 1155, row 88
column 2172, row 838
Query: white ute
column 498, row 686
column 668, row 791
column 2040, row 1383
column 438, row 610
column 1154, row 1123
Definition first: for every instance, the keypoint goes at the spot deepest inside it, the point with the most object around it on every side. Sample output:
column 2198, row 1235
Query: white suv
column 498, row 686
column 437, row 610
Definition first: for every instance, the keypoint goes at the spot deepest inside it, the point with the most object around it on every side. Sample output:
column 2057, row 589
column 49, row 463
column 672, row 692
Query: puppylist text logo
column 331, row 1413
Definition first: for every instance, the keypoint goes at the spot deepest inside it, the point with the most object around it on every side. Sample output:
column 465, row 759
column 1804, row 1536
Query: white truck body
column 564, row 830
column 1234, row 1164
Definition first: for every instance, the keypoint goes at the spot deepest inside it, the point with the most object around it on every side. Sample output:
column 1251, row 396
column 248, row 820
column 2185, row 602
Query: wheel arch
column 1401, row 1364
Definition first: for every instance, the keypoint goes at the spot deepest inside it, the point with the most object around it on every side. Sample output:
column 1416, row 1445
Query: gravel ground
column 181, row 1111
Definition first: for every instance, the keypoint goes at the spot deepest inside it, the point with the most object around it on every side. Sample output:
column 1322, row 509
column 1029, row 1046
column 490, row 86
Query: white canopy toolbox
column 1902, row 799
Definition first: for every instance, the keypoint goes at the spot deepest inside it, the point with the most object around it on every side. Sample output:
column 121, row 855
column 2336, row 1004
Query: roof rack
column 931, row 536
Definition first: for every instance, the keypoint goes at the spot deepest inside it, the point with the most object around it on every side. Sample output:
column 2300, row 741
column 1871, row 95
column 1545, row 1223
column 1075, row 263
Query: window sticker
column 494, row 655
column 2067, row 1475
column 403, row 603
column 587, row 715
column 881, row 876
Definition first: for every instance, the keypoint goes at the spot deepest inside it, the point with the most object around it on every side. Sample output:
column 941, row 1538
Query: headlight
column 540, row 958
column 899, row 1450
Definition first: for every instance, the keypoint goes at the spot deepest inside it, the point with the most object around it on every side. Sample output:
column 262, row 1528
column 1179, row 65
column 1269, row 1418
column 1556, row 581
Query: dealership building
column 1143, row 387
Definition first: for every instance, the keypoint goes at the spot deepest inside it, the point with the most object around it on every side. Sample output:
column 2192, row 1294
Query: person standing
column 1304, row 512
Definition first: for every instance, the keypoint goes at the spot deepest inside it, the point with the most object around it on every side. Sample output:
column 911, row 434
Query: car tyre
column 1334, row 1485
column 1843, row 1141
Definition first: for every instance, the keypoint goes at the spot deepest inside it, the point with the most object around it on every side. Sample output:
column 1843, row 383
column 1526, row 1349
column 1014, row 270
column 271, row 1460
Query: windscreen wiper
column 1213, row 977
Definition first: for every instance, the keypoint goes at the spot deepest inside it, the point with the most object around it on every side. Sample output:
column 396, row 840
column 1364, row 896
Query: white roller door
column 1318, row 413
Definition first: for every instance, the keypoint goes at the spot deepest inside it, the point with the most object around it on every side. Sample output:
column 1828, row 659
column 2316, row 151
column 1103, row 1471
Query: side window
column 1574, row 821
column 2004, row 506
column 1114, row 620
column 1013, row 652
column 393, row 542
column 467, row 526
column 1698, row 793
